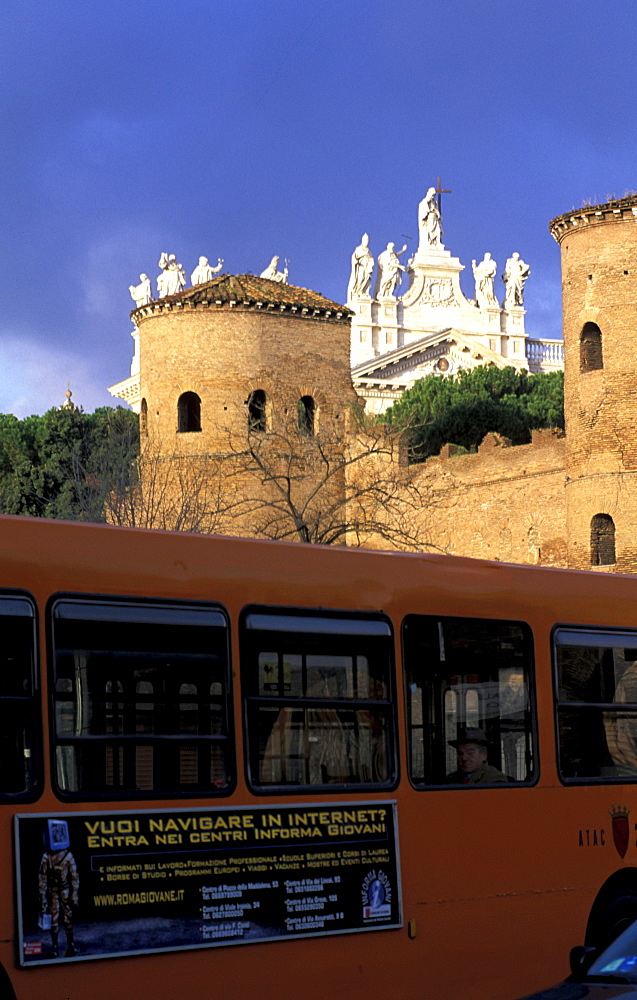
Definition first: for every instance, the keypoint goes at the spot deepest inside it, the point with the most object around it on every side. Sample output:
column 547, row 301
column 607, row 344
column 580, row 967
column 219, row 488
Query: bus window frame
column 80, row 597
column 393, row 730
column 531, row 682
column 590, row 630
column 37, row 755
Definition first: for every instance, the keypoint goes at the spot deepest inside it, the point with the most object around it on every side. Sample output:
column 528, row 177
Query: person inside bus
column 472, row 747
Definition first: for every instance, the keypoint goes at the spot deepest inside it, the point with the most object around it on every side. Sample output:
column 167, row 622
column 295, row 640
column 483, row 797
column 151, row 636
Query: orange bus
column 234, row 767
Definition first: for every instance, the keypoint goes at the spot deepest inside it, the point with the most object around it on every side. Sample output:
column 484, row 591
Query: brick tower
column 599, row 293
column 239, row 383
column 236, row 348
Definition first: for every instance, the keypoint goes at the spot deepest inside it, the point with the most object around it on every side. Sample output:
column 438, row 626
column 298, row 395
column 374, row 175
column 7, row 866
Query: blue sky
column 243, row 129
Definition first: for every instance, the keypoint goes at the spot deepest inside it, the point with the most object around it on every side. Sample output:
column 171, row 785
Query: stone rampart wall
column 505, row 503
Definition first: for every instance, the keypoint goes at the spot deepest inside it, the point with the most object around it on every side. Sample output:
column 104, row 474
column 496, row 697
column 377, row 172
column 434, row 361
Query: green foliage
column 463, row 408
column 64, row 463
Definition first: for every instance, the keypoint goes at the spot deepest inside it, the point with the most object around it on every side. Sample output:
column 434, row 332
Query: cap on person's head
column 470, row 735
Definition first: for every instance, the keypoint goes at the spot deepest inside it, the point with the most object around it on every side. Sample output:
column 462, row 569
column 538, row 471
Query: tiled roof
column 249, row 291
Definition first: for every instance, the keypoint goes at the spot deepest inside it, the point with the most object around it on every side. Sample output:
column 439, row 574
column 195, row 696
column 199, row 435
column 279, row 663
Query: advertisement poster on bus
column 102, row 884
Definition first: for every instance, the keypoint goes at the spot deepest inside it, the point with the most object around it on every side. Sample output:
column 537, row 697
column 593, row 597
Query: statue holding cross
column 429, row 220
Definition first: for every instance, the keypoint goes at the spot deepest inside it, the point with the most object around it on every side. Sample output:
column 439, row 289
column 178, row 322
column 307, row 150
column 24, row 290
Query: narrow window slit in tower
column 602, row 540
column 591, row 356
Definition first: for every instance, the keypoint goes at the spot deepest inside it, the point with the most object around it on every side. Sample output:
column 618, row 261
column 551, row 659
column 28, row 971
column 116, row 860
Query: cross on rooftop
column 440, row 191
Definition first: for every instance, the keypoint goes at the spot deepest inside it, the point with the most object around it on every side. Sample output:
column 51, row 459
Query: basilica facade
column 432, row 328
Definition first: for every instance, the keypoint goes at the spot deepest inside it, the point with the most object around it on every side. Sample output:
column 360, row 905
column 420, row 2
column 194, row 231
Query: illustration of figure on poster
column 58, row 884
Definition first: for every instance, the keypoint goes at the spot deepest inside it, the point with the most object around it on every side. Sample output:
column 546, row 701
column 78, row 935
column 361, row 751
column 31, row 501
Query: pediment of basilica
column 382, row 380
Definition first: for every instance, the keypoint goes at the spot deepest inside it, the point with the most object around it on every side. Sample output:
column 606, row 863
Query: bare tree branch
column 345, row 485
column 348, row 484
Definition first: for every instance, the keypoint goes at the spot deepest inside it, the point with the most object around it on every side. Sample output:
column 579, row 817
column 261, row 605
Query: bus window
column 468, row 674
column 596, row 678
column 318, row 700
column 19, row 716
column 140, row 699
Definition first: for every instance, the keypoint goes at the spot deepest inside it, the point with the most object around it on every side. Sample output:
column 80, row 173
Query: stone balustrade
column 545, row 355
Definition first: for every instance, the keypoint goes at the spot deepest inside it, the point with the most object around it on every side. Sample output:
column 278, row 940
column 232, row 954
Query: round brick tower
column 599, row 294
column 240, row 348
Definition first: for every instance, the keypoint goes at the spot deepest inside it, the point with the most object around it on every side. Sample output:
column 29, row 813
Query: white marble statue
column 484, row 274
column 515, row 274
column 390, row 271
column 274, row 274
column 143, row 292
column 429, row 220
column 362, row 267
column 172, row 278
column 204, row 272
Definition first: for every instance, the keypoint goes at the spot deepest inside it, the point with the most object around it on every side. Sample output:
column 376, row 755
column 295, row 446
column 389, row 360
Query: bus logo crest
column 619, row 816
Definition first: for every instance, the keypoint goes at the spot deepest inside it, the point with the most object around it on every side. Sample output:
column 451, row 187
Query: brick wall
column 504, row 503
